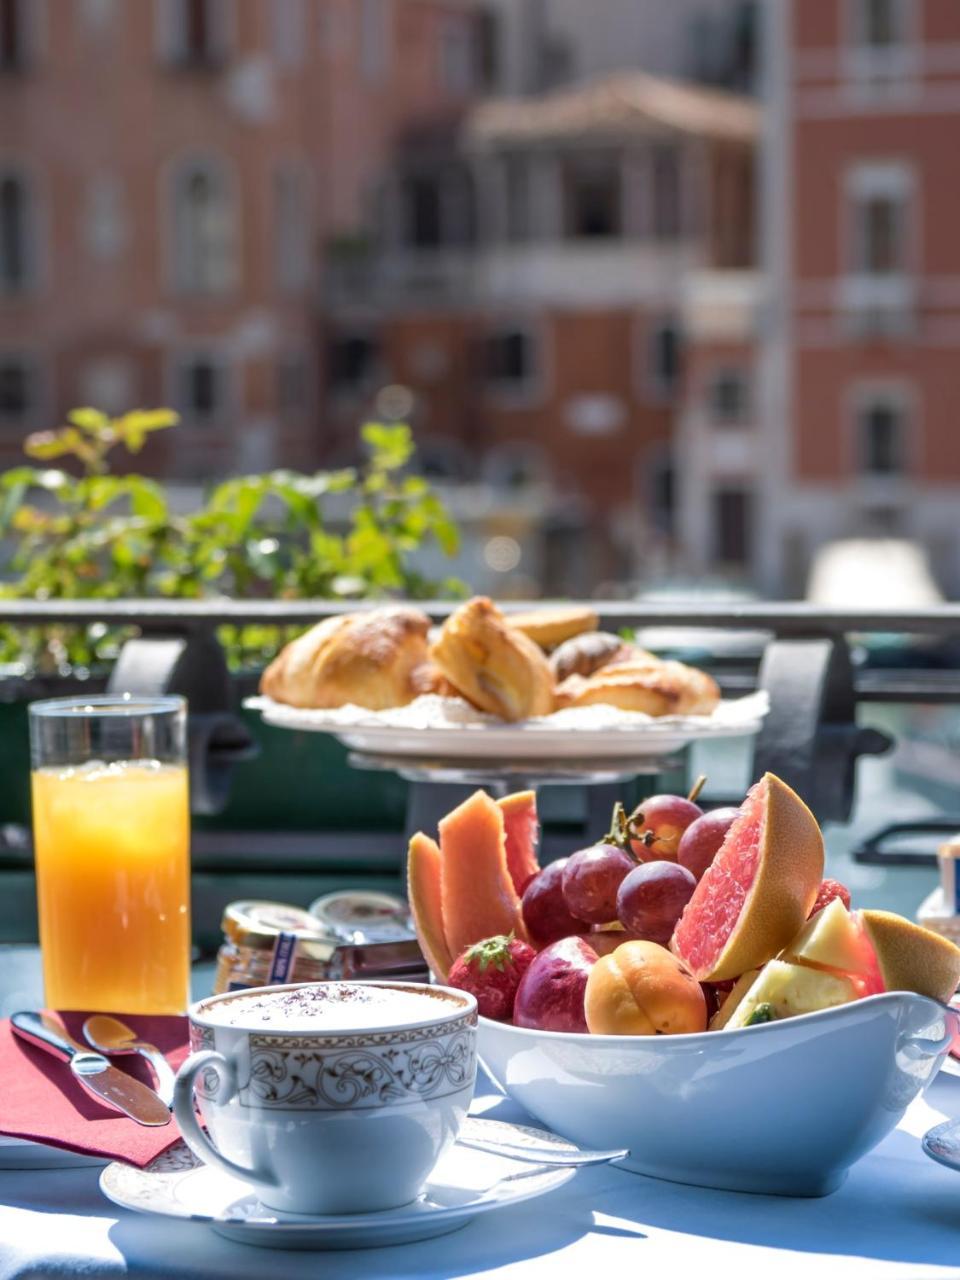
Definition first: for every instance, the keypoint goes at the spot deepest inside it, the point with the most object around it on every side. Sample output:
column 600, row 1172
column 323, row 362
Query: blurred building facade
column 171, row 172
column 527, row 284
column 860, row 350
column 531, row 226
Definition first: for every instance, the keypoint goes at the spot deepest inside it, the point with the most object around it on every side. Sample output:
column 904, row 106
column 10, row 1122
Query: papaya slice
column 522, row 829
column 423, row 894
column 477, row 895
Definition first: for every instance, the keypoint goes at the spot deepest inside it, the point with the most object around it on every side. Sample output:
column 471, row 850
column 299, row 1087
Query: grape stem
column 697, row 787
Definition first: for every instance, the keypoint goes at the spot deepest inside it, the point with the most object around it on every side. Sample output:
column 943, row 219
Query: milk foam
column 329, row 1006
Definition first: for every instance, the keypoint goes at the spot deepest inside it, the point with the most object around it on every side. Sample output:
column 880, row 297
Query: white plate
column 21, row 1153
column 449, row 729
column 464, row 1184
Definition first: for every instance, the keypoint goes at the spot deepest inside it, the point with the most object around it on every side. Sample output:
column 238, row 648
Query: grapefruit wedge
column 423, row 894
column 756, row 895
column 911, row 958
column 521, row 829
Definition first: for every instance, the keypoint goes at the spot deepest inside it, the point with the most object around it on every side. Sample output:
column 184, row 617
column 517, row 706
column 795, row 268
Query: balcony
column 549, row 272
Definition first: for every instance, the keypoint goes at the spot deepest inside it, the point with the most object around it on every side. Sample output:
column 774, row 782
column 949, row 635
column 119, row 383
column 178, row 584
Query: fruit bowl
column 782, row 1108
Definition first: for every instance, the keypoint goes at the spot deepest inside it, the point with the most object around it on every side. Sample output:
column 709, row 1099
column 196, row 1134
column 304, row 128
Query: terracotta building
column 171, row 172
column 527, row 282
column 860, row 363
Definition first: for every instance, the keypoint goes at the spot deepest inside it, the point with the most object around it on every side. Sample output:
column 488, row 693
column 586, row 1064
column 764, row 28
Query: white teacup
column 329, row 1097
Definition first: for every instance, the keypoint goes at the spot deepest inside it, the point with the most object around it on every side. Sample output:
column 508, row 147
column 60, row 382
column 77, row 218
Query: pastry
column 584, row 654
column 550, row 627
column 374, row 659
column 655, row 687
column 492, row 665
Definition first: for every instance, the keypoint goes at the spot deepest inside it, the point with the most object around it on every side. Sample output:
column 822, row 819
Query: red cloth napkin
column 40, row 1099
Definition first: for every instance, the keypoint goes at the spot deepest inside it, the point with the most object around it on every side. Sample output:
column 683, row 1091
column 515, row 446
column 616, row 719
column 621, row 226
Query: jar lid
column 259, row 924
column 361, row 916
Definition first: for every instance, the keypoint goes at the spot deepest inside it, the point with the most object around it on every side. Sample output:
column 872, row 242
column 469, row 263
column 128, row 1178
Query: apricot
column 642, row 989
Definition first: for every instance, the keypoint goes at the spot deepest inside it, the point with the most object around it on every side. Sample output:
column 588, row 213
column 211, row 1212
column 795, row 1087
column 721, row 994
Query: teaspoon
column 110, row 1035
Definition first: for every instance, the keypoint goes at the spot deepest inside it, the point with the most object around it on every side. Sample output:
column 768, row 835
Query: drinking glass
column 111, row 830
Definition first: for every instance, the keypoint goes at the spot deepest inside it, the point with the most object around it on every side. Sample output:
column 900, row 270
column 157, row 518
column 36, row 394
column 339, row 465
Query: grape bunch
column 640, row 876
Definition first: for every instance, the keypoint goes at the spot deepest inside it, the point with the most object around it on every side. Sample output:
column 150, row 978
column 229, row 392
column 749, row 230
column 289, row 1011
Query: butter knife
column 100, row 1079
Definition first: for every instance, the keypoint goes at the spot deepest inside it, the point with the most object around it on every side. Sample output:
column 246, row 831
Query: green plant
column 347, row 534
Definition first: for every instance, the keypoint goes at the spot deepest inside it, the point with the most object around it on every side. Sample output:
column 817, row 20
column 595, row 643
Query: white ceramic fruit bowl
column 783, row 1108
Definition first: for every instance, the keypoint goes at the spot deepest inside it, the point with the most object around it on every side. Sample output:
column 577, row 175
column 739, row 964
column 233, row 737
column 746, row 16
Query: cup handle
column 186, row 1117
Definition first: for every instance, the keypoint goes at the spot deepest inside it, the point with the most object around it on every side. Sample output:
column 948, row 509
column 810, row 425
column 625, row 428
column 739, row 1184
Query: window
column 663, row 495
column 879, row 235
column 457, row 55
column 18, row 390
column 194, row 33
column 882, row 446
column 375, row 39
column 879, row 23
column 665, row 360
column 666, row 191
column 104, row 216
column 594, row 202
column 488, row 48
column 424, row 212
column 292, row 389
column 352, row 362
column 509, row 359
column 291, row 230
column 880, row 197
column 205, row 230
column 13, row 35
column 202, row 388
column 16, row 266
column 732, row 528
column 289, row 32
column 517, row 196
column 728, row 397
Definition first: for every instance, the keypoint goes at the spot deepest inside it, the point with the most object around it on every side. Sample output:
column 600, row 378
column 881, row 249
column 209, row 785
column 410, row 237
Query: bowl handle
column 921, row 1047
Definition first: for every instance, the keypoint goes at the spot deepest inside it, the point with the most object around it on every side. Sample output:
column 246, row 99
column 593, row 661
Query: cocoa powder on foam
column 327, row 1007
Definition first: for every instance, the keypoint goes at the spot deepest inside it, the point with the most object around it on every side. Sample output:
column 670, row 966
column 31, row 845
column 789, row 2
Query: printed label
column 284, row 957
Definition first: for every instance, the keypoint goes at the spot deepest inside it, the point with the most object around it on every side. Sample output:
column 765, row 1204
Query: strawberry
column 491, row 970
column 830, row 889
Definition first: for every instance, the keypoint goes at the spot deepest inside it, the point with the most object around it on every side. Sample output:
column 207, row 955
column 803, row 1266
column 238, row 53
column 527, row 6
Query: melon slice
column 756, row 895
column 522, row 828
column 789, row 989
column 477, row 896
column 911, row 958
column 832, row 939
column 423, row 894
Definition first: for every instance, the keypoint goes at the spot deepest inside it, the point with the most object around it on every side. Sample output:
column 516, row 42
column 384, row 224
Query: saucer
column 465, row 1184
column 21, row 1153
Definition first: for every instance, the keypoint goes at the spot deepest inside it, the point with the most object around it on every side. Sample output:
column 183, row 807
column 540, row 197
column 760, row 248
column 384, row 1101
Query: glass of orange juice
column 111, row 831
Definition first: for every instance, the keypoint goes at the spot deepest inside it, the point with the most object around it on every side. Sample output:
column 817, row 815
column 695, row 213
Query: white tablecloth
column 898, row 1215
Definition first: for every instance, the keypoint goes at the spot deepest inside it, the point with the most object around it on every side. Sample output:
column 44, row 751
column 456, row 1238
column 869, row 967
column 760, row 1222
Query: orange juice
column 112, row 846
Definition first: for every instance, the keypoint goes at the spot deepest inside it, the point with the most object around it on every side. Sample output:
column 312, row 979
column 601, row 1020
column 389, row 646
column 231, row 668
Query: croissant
column 375, row 659
column 492, row 665
column 655, row 687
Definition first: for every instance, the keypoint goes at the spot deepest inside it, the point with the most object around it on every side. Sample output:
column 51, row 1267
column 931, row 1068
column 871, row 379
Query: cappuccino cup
column 329, row 1097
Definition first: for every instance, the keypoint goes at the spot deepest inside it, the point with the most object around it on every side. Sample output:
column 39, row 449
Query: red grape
column 652, row 897
column 701, row 840
column 591, row 879
column 657, row 824
column 545, row 913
